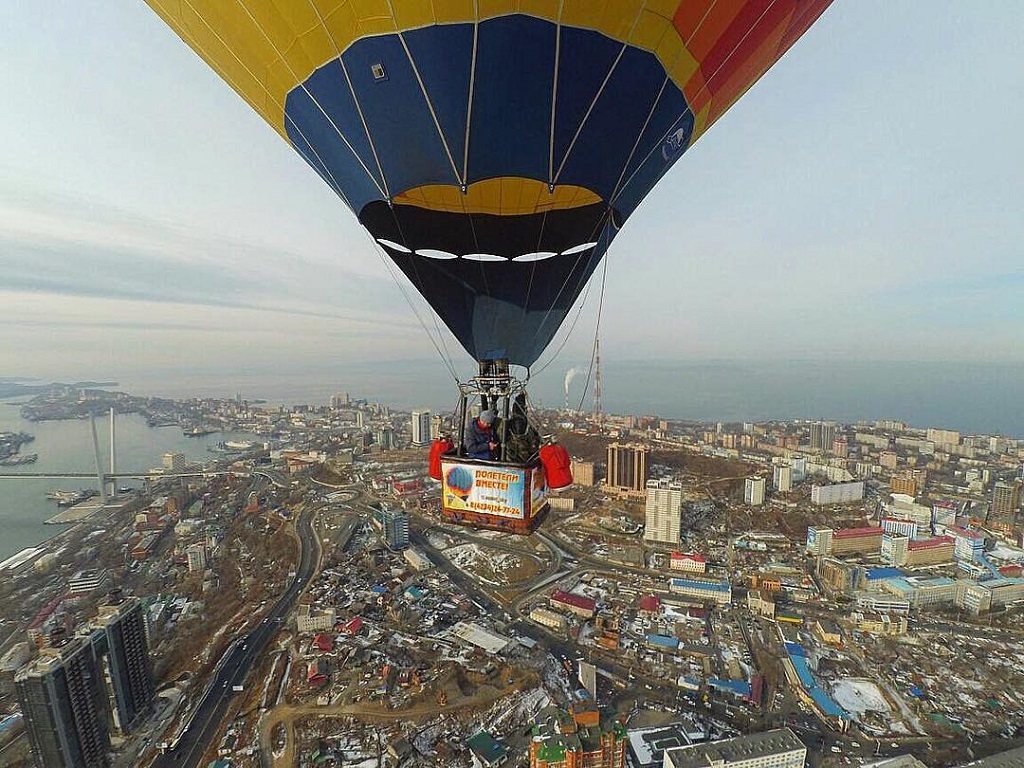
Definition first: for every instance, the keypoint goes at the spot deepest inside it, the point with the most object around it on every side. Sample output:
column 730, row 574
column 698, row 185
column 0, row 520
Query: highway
column 239, row 657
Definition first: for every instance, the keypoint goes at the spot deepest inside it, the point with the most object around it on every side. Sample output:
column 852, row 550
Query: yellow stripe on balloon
column 505, row 196
column 266, row 51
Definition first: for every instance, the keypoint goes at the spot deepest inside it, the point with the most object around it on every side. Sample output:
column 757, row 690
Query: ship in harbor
column 70, row 498
column 199, row 431
column 233, row 446
column 18, row 459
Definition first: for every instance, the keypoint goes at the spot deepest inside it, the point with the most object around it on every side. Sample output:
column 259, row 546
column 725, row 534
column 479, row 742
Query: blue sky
column 861, row 201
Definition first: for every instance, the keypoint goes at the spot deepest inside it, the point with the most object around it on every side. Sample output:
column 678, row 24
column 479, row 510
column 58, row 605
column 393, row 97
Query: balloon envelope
column 493, row 148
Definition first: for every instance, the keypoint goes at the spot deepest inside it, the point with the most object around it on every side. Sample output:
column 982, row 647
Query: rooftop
column 741, row 748
column 579, row 601
column 937, row 541
column 847, row 533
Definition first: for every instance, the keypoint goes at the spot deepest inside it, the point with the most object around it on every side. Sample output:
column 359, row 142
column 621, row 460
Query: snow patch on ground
column 483, row 564
column 859, row 696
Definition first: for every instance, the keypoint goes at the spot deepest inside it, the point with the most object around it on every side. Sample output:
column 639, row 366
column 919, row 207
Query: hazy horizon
column 857, row 203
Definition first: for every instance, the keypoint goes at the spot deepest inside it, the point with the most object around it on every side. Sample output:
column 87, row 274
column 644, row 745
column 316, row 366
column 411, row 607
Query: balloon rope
column 445, row 356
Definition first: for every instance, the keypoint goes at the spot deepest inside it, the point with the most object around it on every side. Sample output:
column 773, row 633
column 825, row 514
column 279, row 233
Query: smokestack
column 569, row 376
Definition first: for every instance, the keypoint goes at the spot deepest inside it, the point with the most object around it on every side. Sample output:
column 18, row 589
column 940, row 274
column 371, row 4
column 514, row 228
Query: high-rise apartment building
column 119, row 644
column 386, row 438
column 627, row 467
column 782, row 479
column 576, row 739
column 1005, row 504
column 753, row 491
column 420, row 427
column 582, row 472
column 395, row 527
column 823, row 434
column 196, row 555
column 63, row 705
column 174, row 461
column 664, row 512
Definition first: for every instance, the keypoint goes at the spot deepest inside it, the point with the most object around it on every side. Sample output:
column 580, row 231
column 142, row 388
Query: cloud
column 58, row 245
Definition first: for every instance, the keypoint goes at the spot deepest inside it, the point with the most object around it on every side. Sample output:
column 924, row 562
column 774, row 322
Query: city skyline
column 146, row 212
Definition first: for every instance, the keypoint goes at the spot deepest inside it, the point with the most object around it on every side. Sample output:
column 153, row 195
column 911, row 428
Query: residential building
column 782, row 478
column 933, row 551
column 895, row 525
column 63, row 705
column 386, row 438
column 421, row 427
column 308, row 620
column 1005, row 505
column 819, row 540
column 943, row 437
column 753, row 491
column 664, row 512
column 582, row 472
column 196, row 555
column 779, row 748
column 837, row 493
column 627, row 468
column 904, row 482
column 174, row 462
column 576, row 739
column 119, row 642
column 837, row 575
column 894, row 549
column 395, row 527
column 848, row 541
column 823, row 434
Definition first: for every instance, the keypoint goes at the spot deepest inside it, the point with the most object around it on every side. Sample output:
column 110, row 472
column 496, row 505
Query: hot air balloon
column 492, row 148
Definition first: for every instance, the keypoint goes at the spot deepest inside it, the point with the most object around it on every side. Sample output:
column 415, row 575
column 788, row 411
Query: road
column 243, row 652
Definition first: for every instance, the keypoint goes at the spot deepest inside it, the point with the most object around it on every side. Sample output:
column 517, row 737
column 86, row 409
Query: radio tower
column 597, row 382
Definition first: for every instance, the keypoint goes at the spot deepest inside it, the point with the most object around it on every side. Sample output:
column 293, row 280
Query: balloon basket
column 497, row 496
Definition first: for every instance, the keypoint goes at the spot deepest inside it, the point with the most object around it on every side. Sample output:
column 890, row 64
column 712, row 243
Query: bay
column 974, row 398
column 66, row 446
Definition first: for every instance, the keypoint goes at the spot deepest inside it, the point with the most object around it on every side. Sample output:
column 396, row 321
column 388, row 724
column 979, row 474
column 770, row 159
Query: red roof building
column 316, row 672
column 323, row 643
column 650, row 604
column 851, row 533
column 937, row 541
column 352, row 626
column 687, row 561
column 577, row 604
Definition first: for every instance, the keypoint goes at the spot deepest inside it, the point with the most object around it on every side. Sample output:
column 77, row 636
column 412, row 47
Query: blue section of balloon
column 610, row 117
